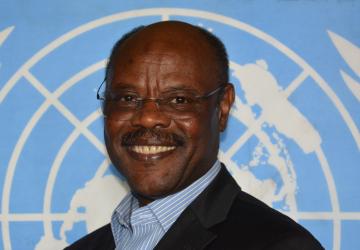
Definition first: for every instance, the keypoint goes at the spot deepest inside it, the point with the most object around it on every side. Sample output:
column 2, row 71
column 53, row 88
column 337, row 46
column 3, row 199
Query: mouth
column 151, row 144
column 149, row 152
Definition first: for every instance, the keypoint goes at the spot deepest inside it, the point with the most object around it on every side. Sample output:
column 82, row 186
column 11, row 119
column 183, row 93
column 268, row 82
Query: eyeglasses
column 122, row 105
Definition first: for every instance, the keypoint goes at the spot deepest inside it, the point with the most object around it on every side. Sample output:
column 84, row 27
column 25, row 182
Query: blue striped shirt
column 135, row 227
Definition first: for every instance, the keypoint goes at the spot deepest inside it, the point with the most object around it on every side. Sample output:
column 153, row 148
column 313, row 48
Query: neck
column 143, row 200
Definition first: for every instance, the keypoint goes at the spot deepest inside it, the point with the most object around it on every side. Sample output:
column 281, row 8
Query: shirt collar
column 166, row 210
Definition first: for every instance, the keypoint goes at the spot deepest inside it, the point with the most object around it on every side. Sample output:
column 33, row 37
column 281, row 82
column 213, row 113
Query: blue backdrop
column 293, row 138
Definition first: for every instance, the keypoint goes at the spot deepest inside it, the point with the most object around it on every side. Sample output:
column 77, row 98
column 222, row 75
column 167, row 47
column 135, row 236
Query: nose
column 150, row 116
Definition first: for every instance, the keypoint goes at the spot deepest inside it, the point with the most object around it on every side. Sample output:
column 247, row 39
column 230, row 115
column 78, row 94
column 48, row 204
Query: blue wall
column 292, row 140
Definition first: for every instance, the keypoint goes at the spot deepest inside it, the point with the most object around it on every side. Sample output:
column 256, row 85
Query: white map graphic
column 275, row 133
column 94, row 203
column 262, row 89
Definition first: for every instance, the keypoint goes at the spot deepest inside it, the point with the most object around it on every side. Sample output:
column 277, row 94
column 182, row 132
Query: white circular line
column 333, row 196
column 63, row 110
column 188, row 12
column 291, row 54
column 11, row 169
column 195, row 13
column 165, row 18
column 51, row 99
column 102, row 169
column 56, row 166
column 79, row 76
column 66, row 37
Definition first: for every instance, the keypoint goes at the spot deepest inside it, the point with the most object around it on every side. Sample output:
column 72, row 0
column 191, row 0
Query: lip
column 150, row 152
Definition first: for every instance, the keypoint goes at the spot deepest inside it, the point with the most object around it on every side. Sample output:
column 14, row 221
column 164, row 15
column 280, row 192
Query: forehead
column 164, row 53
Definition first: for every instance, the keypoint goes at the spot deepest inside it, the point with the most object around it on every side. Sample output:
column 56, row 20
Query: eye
column 124, row 97
column 179, row 100
column 127, row 98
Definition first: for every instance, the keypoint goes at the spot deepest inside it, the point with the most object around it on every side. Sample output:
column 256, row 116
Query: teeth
column 151, row 149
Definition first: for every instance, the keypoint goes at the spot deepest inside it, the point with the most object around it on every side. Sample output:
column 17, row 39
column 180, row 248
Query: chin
column 151, row 188
column 155, row 179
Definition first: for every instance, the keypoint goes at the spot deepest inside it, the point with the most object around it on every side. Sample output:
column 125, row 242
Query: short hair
column 109, row 70
column 215, row 42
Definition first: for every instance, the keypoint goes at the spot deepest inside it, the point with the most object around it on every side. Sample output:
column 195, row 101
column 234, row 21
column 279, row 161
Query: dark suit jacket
column 221, row 217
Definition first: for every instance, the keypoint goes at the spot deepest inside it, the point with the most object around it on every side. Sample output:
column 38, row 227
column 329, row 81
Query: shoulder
column 99, row 239
column 253, row 223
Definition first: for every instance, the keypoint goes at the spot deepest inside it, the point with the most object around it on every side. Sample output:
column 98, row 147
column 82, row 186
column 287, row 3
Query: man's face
column 158, row 153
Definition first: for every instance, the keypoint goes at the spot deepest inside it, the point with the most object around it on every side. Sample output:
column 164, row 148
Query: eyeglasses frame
column 141, row 101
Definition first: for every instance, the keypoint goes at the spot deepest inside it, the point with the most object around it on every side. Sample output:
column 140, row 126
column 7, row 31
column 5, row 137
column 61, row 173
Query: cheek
column 191, row 128
column 112, row 129
column 112, row 135
column 201, row 128
column 109, row 132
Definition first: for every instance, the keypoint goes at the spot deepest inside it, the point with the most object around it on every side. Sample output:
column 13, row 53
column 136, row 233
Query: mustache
column 155, row 136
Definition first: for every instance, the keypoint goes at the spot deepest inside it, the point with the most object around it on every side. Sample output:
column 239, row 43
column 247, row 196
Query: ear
column 226, row 102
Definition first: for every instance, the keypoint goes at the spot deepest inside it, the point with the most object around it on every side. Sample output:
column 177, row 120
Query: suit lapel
column 192, row 230
column 105, row 240
column 186, row 233
column 109, row 242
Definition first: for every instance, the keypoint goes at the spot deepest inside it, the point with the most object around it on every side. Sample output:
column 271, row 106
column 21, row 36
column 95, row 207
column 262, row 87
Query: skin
column 161, row 57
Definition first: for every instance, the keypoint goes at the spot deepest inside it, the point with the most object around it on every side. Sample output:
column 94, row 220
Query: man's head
column 167, row 100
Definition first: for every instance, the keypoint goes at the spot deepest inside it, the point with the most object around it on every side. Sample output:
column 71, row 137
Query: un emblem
column 275, row 146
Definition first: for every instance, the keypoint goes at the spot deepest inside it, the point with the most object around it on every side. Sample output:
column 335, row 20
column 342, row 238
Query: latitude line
column 13, row 217
column 325, row 215
column 165, row 17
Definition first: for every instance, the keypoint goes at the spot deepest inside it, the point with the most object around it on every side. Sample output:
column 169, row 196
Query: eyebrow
column 181, row 87
column 121, row 86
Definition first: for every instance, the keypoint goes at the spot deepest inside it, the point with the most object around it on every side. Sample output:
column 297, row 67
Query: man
column 166, row 101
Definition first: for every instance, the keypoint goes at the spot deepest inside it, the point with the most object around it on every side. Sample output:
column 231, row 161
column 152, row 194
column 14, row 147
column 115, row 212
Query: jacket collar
column 192, row 228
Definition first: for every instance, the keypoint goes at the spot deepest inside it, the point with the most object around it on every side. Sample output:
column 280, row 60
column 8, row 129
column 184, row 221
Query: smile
column 150, row 150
